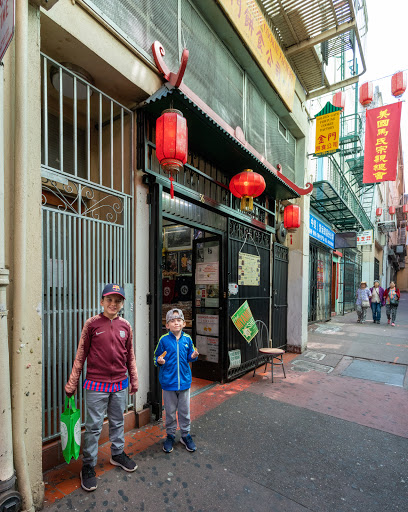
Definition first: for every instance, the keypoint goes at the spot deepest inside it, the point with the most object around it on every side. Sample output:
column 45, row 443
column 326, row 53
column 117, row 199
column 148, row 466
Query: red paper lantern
column 405, row 208
column 378, row 212
column 246, row 185
column 291, row 217
column 339, row 100
column 366, row 93
column 398, row 84
column 391, row 210
column 171, row 142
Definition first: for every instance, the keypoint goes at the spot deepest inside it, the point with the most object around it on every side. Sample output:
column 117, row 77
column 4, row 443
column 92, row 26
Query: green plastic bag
column 70, row 430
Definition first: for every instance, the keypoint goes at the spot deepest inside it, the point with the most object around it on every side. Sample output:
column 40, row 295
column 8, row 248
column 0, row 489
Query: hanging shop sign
column 321, row 232
column 365, row 237
column 249, row 269
column 381, row 143
column 245, row 322
column 327, row 130
column 6, row 25
column 251, row 25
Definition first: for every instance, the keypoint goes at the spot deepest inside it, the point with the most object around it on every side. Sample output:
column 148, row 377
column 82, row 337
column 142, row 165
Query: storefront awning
column 218, row 142
column 326, row 200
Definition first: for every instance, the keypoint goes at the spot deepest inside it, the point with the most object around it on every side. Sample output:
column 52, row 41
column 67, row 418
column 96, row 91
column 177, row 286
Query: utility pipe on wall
column 20, row 252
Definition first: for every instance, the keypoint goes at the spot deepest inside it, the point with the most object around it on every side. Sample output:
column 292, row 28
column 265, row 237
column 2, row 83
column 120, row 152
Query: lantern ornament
column 246, row 185
column 171, row 143
column 405, row 208
column 291, row 217
column 366, row 94
column 391, row 210
column 378, row 212
column 339, row 100
column 398, row 84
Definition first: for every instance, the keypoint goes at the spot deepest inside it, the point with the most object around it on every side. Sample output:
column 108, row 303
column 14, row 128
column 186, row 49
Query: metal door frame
column 279, row 328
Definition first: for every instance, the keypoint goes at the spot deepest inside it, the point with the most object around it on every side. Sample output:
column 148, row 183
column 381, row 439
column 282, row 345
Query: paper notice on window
column 207, row 325
column 201, row 344
column 249, row 269
column 207, row 273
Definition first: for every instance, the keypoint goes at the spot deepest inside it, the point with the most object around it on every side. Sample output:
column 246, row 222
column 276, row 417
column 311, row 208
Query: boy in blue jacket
column 173, row 353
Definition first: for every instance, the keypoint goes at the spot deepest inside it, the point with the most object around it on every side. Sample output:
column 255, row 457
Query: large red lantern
column 171, row 142
column 405, row 208
column 391, row 210
column 246, row 185
column 339, row 100
column 291, row 217
column 366, row 94
column 378, row 212
column 398, row 84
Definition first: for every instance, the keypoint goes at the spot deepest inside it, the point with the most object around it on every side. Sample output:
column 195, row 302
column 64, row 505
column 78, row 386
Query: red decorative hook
column 173, row 78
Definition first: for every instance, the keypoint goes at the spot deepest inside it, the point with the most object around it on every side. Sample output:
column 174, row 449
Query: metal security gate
column 350, row 272
column 320, row 281
column 87, row 212
column 280, row 295
column 376, row 269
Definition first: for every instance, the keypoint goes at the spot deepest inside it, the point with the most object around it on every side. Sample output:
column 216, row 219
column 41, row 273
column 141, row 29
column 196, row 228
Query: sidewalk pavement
column 332, row 436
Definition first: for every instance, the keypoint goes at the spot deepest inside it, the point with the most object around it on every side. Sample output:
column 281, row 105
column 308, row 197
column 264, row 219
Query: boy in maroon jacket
column 107, row 345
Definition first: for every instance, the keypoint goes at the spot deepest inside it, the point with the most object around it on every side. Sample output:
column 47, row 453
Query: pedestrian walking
column 107, row 345
column 173, row 353
column 363, row 295
column 377, row 301
column 392, row 296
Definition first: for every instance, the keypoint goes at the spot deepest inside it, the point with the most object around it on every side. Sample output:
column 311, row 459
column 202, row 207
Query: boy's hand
column 194, row 354
column 160, row 360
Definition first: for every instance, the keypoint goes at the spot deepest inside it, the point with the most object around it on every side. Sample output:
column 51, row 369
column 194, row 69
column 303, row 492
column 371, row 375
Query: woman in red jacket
column 392, row 296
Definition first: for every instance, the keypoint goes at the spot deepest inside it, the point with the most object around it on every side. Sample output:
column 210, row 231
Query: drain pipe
column 20, row 330
column 8, row 497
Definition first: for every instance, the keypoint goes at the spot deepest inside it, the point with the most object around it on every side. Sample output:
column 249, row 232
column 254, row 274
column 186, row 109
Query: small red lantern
column 171, row 142
column 366, row 94
column 398, row 84
column 391, row 210
column 246, row 185
column 291, row 217
column 378, row 212
column 339, row 100
column 405, row 208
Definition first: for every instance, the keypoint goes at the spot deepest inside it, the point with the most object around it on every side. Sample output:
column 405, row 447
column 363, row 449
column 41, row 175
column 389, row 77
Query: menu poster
column 207, row 273
column 207, row 325
column 208, row 347
column 201, row 344
column 249, row 269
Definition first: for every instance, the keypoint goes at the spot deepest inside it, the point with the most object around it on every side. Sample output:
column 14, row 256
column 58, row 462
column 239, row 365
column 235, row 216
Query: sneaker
column 123, row 461
column 88, row 478
column 393, row 324
column 168, row 443
column 389, row 321
column 188, row 443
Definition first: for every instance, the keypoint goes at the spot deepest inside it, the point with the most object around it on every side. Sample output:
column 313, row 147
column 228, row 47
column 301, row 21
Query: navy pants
column 376, row 309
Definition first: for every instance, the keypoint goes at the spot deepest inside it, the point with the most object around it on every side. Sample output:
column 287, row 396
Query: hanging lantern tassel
column 171, row 186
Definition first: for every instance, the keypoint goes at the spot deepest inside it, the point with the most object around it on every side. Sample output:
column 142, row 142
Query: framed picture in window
column 186, row 262
column 178, row 238
column 172, row 261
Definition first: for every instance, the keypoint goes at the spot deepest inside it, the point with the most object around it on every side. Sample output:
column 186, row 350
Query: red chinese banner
column 381, row 143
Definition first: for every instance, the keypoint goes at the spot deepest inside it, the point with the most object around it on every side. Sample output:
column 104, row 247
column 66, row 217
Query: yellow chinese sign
column 251, row 25
column 327, row 133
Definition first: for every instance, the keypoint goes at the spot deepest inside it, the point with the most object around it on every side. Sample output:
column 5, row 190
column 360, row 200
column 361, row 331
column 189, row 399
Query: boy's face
column 112, row 304
column 176, row 326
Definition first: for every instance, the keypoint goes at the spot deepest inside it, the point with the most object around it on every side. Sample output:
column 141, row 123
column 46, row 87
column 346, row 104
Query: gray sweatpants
column 173, row 401
column 96, row 404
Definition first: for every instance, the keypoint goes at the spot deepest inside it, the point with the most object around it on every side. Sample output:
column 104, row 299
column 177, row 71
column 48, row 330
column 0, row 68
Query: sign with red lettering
column 381, row 143
column 6, row 25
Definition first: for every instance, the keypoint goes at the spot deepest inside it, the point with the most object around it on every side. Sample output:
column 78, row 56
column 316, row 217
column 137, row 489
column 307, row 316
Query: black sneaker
column 88, row 478
column 188, row 443
column 168, row 443
column 124, row 462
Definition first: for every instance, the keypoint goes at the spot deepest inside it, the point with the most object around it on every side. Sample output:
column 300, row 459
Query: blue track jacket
column 175, row 373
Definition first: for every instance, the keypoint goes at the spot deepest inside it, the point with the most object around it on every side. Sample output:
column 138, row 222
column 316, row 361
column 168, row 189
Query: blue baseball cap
column 110, row 289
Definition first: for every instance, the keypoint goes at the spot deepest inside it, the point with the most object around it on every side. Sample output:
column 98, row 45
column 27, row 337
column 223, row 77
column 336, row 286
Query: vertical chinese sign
column 251, row 25
column 327, row 130
column 381, row 143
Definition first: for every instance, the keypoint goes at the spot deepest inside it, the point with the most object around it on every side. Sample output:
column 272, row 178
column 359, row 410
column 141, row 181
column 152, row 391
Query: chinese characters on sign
column 251, row 25
column 245, row 322
column 381, row 143
column 249, row 269
column 321, row 232
column 327, row 133
column 365, row 237
column 320, row 275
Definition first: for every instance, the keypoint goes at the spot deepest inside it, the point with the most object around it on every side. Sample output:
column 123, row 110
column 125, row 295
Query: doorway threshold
column 205, row 388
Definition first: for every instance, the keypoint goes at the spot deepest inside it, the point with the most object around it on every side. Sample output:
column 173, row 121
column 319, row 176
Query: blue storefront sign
column 321, row 232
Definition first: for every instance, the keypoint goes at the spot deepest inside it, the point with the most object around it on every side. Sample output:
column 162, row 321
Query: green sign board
column 245, row 322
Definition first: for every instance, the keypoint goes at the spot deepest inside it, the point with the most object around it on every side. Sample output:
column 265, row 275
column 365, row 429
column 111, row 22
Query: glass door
column 207, row 307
